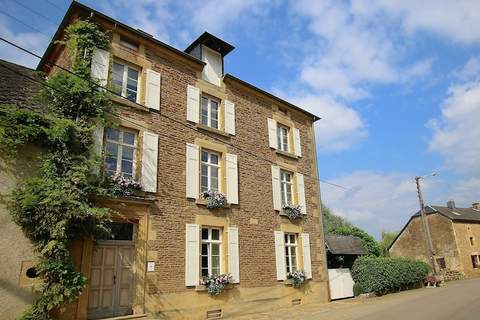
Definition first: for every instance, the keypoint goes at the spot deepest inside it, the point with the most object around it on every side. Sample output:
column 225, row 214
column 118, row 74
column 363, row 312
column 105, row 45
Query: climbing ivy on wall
column 55, row 206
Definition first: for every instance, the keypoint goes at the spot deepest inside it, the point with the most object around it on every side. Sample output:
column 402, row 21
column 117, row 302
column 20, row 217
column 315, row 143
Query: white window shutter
column 272, row 133
column 233, row 254
column 301, row 192
column 152, row 94
column 230, row 117
column 277, row 200
column 193, row 104
column 193, row 171
column 100, row 64
column 232, row 178
column 297, row 147
column 97, row 146
column 192, row 255
column 150, row 162
column 280, row 255
column 307, row 260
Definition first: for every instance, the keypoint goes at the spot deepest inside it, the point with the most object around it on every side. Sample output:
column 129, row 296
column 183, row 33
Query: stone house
column 182, row 127
column 455, row 234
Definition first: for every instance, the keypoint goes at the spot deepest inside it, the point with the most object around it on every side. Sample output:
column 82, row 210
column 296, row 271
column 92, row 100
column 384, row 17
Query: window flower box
column 215, row 199
column 120, row 186
column 296, row 278
column 293, row 211
column 216, row 284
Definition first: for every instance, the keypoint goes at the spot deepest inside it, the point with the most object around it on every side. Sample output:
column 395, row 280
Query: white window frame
column 210, row 165
column 283, row 137
column 209, row 111
column 291, row 247
column 125, row 79
column 285, row 185
column 120, row 146
column 209, row 242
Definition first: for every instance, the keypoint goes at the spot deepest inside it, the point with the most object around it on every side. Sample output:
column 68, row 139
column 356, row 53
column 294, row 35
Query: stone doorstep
column 131, row 316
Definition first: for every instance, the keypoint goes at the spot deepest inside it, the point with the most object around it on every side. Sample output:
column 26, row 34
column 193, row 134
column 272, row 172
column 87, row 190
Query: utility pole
column 425, row 225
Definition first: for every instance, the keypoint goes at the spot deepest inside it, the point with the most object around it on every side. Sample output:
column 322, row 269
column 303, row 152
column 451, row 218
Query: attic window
column 128, row 44
column 456, row 213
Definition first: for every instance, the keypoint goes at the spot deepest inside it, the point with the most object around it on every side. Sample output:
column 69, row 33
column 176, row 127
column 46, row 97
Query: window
column 120, row 151
column 209, row 172
column 125, row 81
column 209, row 112
column 472, row 241
column 282, row 137
column 291, row 252
column 476, row 261
column 211, row 247
column 286, row 187
column 128, row 44
column 441, row 263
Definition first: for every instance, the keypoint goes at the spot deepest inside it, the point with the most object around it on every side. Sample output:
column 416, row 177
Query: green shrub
column 383, row 275
column 357, row 289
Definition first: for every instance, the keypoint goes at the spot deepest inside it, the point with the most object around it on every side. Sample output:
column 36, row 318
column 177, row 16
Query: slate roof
column 455, row 214
column 345, row 245
column 18, row 84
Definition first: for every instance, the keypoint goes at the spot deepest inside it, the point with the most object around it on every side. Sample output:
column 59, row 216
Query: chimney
column 451, row 204
column 210, row 50
column 476, row 205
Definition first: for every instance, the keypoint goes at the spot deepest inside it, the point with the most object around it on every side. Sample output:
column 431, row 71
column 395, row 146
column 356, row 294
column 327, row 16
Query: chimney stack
column 451, row 204
column 476, row 205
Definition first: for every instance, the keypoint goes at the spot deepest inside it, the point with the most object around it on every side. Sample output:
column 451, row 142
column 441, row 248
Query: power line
column 35, row 12
column 25, row 24
column 161, row 114
column 55, row 6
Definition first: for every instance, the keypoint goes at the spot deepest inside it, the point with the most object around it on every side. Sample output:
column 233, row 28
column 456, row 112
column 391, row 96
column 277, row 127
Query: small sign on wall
column 150, row 266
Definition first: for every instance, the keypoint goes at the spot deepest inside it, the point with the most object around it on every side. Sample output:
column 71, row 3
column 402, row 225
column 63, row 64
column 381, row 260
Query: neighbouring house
column 16, row 288
column 184, row 127
column 455, row 234
column 343, row 250
column 341, row 254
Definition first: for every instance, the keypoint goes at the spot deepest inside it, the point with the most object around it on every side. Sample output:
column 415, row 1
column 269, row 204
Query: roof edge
column 77, row 5
column 274, row 97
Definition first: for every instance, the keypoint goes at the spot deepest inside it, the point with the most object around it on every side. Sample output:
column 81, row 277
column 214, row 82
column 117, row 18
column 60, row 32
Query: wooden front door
column 111, row 280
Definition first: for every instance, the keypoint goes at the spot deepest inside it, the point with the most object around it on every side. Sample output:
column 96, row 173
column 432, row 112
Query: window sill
column 201, row 287
column 203, row 202
column 213, row 130
column 286, row 154
column 128, row 103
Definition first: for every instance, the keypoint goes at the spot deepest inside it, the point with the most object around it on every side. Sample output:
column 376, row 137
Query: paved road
column 459, row 300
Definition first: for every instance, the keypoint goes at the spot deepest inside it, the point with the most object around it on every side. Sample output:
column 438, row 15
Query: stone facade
column 450, row 239
column 162, row 216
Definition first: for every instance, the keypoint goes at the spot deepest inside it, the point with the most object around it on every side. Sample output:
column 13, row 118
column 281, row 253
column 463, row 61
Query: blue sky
column 396, row 83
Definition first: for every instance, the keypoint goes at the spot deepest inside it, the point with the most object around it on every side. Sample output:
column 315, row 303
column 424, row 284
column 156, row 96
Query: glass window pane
column 204, row 249
column 127, row 167
column 214, row 184
column 110, row 164
column 215, row 234
column 204, row 234
column 132, row 74
column 204, row 183
column 112, row 134
column 204, row 261
column 215, row 262
column 129, row 138
column 215, row 249
column 111, row 149
column 214, row 172
column 214, row 124
column 131, row 95
column 204, row 272
column 286, row 237
column 215, row 271
column 117, row 78
column 292, row 238
column 127, row 153
column 214, row 158
column 204, row 156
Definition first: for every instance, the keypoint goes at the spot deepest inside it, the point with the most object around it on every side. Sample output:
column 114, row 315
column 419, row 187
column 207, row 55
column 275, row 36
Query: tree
column 387, row 239
column 335, row 225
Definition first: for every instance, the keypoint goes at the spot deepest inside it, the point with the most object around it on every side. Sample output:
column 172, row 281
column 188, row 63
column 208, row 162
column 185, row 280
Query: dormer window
column 128, row 44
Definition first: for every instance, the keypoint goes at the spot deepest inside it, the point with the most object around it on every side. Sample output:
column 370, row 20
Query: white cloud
column 340, row 128
column 468, row 71
column 35, row 42
column 374, row 201
column 456, row 134
column 459, row 20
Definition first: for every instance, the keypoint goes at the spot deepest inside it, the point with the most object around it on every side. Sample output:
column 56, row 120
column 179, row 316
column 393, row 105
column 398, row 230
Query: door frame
column 134, row 210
